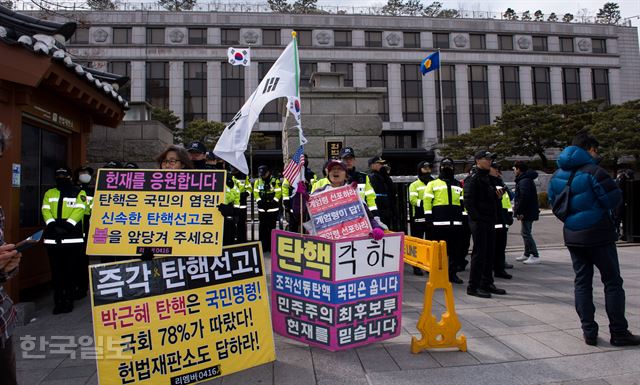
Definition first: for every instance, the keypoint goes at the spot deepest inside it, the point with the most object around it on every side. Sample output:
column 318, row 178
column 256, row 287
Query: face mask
column 84, row 178
column 446, row 172
column 62, row 183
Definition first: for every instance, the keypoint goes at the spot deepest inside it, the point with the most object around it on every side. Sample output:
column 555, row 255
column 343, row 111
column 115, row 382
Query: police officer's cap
column 113, row 164
column 263, row 170
column 424, row 164
column 131, row 165
column 376, row 159
column 86, row 169
column 347, row 152
column 63, row 172
column 446, row 162
column 485, row 154
column 197, row 147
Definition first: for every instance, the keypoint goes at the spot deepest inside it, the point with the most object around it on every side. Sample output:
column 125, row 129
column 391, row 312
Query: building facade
column 178, row 60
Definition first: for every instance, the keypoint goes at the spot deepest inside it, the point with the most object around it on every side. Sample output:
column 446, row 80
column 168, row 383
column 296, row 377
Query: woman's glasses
column 171, row 161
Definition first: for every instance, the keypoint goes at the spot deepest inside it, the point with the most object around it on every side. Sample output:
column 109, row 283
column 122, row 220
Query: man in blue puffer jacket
column 590, row 236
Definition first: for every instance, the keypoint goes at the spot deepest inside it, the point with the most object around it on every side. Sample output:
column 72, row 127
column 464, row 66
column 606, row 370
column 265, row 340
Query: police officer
column 242, row 184
column 383, row 188
column 63, row 209
column 367, row 193
column 504, row 219
column 416, row 198
column 443, row 211
column 198, row 155
column 228, row 211
column 267, row 194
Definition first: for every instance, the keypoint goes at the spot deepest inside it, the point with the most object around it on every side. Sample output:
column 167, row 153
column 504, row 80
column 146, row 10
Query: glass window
column 270, row 37
column 411, row 39
column 232, row 90
column 505, row 42
column 230, row 36
column 478, row 96
column 541, row 85
column 342, row 38
column 155, row 35
column 306, row 70
column 157, row 84
column 477, row 41
column 81, row 36
column 272, row 141
column 599, row 45
column 195, row 91
column 270, row 112
column 377, row 77
column 600, row 84
column 566, row 44
column 411, row 84
column 197, row 36
column 448, row 102
column 540, row 43
column 571, row 85
column 122, row 36
column 399, row 139
column 510, row 84
column 373, row 38
column 121, row 68
column 440, row 40
column 305, row 38
column 346, row 69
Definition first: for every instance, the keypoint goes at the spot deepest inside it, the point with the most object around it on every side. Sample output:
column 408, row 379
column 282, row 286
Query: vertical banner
column 181, row 321
column 333, row 149
column 167, row 211
column 338, row 213
column 336, row 295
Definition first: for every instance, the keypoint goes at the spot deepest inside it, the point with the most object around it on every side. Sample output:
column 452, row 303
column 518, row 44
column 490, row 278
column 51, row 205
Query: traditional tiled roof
column 47, row 38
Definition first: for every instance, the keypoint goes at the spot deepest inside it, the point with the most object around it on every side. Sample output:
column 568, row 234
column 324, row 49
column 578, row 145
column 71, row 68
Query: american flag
column 292, row 171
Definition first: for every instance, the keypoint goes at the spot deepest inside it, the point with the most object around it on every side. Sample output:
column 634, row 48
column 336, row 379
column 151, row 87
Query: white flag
column 239, row 56
column 280, row 82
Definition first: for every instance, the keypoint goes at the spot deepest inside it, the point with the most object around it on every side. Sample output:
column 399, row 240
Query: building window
column 197, row 36
column 122, row 68
column 270, row 37
column 411, row 84
column 510, row 84
column 598, row 45
column 448, row 102
column 394, row 140
column 157, row 84
column 342, row 38
column 346, row 69
column 411, row 39
column 122, row 36
column 505, row 42
column 306, row 70
column 230, row 36
column 373, row 39
column 81, row 36
column 270, row 112
column 600, row 84
column 571, row 85
column 195, row 91
column 440, row 40
column 566, row 44
column 155, row 35
column 477, row 41
column 478, row 96
column 540, row 43
column 541, row 85
column 305, row 38
column 377, row 77
column 271, row 141
column 232, row 90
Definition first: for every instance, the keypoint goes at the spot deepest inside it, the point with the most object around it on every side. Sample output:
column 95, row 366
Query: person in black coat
column 383, row 186
column 525, row 208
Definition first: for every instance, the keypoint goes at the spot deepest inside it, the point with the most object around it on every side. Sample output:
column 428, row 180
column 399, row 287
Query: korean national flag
column 239, row 56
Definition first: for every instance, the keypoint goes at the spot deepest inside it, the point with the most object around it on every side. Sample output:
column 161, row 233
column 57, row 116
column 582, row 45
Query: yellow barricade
column 432, row 257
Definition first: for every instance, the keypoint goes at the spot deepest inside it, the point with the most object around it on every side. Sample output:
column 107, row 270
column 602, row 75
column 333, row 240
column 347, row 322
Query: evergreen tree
column 552, row 17
column 101, row 5
column 433, row 10
column 609, row 14
column 280, row 6
column 567, row 17
column 510, row 14
column 539, row 16
column 177, row 5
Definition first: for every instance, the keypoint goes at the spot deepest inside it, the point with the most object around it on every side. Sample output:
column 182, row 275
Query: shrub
column 543, row 200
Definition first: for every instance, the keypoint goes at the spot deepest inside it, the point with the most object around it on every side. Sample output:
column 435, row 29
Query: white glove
column 384, row 227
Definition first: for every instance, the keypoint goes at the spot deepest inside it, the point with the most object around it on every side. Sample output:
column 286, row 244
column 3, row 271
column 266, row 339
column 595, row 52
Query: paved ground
column 530, row 336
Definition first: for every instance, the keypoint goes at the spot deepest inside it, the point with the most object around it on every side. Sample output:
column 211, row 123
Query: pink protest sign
column 336, row 295
column 338, row 213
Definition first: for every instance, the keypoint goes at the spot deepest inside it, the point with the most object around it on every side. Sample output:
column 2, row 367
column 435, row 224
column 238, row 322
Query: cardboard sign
column 327, row 297
column 338, row 213
column 166, row 211
column 181, row 321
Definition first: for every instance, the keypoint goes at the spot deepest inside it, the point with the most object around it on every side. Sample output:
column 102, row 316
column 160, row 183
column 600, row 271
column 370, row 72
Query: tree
column 538, row 15
column 412, row 8
column 510, row 14
column 617, row 130
column 552, row 17
column 280, row 6
column 609, row 14
column 168, row 118
column 177, row 5
column 101, row 5
column 201, row 130
column 393, row 7
column 305, row 6
column 7, row 4
column 567, row 17
column 449, row 14
column 433, row 10
column 526, row 16
column 465, row 145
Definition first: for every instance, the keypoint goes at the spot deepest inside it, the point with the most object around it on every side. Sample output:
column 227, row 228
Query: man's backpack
column 560, row 206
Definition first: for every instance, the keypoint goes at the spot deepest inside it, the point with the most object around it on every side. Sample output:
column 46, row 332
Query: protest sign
column 167, row 211
column 181, row 321
column 338, row 213
column 336, row 295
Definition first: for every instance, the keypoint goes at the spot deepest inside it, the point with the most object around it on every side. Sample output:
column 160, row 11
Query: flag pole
column 294, row 35
column 441, row 96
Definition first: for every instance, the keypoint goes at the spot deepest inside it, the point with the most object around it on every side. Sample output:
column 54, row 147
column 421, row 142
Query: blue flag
column 430, row 63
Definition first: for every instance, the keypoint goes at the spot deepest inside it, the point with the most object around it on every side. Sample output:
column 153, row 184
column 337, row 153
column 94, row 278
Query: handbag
column 560, row 207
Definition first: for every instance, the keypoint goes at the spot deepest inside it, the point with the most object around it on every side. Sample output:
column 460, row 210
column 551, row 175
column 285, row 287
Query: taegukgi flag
column 280, row 82
column 239, row 56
